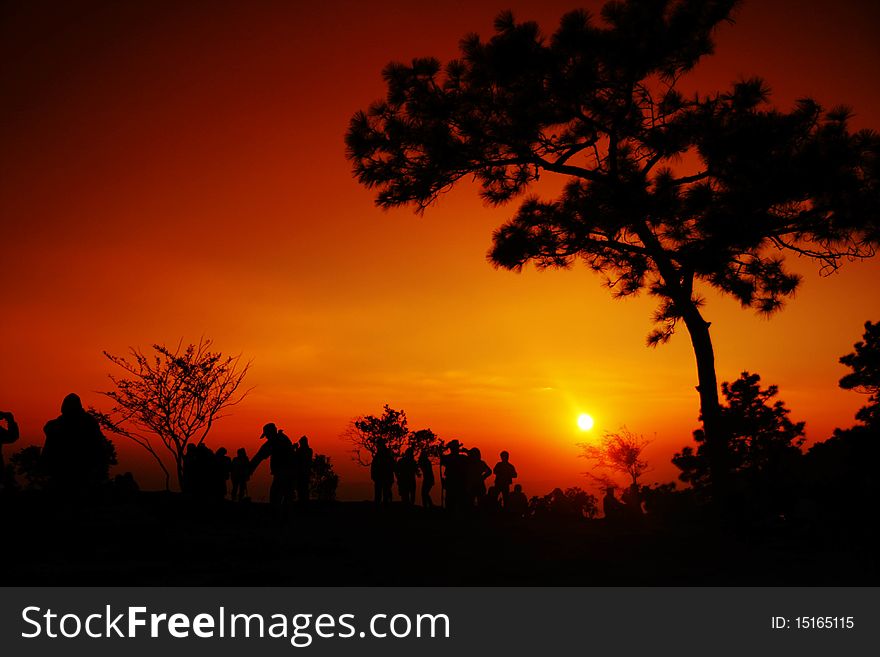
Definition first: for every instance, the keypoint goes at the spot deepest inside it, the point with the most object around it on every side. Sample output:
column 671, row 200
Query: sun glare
column 585, row 422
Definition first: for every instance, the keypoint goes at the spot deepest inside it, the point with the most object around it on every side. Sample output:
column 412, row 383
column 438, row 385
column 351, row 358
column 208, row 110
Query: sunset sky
column 174, row 170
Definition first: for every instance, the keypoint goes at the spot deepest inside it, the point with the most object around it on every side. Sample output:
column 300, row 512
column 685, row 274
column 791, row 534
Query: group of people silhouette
column 384, row 468
column 629, row 507
column 76, row 458
column 463, row 474
column 290, row 465
column 207, row 474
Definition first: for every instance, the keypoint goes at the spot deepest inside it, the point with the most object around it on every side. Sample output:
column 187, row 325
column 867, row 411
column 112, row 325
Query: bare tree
column 175, row 395
column 619, row 451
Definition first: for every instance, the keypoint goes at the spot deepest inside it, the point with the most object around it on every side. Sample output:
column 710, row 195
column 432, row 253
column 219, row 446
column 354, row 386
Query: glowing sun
column 585, row 422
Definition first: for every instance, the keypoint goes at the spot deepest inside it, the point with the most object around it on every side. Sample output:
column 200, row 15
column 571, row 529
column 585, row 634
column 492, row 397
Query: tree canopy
column 365, row 432
column 865, row 375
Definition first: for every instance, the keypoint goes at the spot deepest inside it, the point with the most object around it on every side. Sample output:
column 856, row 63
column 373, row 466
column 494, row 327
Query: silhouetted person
column 279, row 450
column 125, row 487
column 611, row 506
column 189, row 469
column 303, row 463
column 294, row 465
column 224, row 470
column 240, row 473
column 427, row 470
column 8, row 435
column 505, row 473
column 74, row 455
column 205, row 478
column 405, row 469
column 477, row 473
column 517, row 502
column 455, row 476
column 489, row 501
column 632, row 502
column 382, row 473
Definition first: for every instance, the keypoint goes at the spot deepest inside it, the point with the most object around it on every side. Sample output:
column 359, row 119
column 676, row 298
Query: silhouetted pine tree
column 666, row 192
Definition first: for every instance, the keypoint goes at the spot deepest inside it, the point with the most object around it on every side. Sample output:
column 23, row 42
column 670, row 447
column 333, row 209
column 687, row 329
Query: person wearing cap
column 280, row 452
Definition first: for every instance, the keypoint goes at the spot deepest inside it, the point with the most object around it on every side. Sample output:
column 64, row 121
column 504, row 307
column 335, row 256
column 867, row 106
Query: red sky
column 176, row 170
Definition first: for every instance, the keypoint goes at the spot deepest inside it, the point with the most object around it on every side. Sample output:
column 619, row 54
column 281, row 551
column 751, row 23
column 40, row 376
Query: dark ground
column 158, row 539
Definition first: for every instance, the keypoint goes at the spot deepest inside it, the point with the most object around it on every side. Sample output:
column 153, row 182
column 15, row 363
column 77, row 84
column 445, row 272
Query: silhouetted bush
column 570, row 503
column 323, row 481
column 28, row 466
column 865, row 376
column 366, row 432
column 762, row 452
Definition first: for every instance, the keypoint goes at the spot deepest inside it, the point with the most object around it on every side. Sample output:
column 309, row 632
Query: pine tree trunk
column 710, row 405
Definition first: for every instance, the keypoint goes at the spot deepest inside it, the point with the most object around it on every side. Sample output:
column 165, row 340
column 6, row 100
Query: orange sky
column 175, row 171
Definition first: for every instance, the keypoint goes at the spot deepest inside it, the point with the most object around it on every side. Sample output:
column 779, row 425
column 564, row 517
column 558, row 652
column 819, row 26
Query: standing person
column 406, row 476
column 632, row 501
column 382, row 473
column 519, row 503
column 279, row 450
column 611, row 506
column 477, row 473
column 304, row 456
column 427, row 470
column 8, row 435
column 240, row 472
column 206, row 477
column 190, row 468
column 505, row 473
column 76, row 456
column 224, row 470
column 455, row 469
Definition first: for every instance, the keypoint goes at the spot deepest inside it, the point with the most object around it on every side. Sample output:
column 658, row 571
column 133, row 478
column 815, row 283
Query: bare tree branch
column 177, row 396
